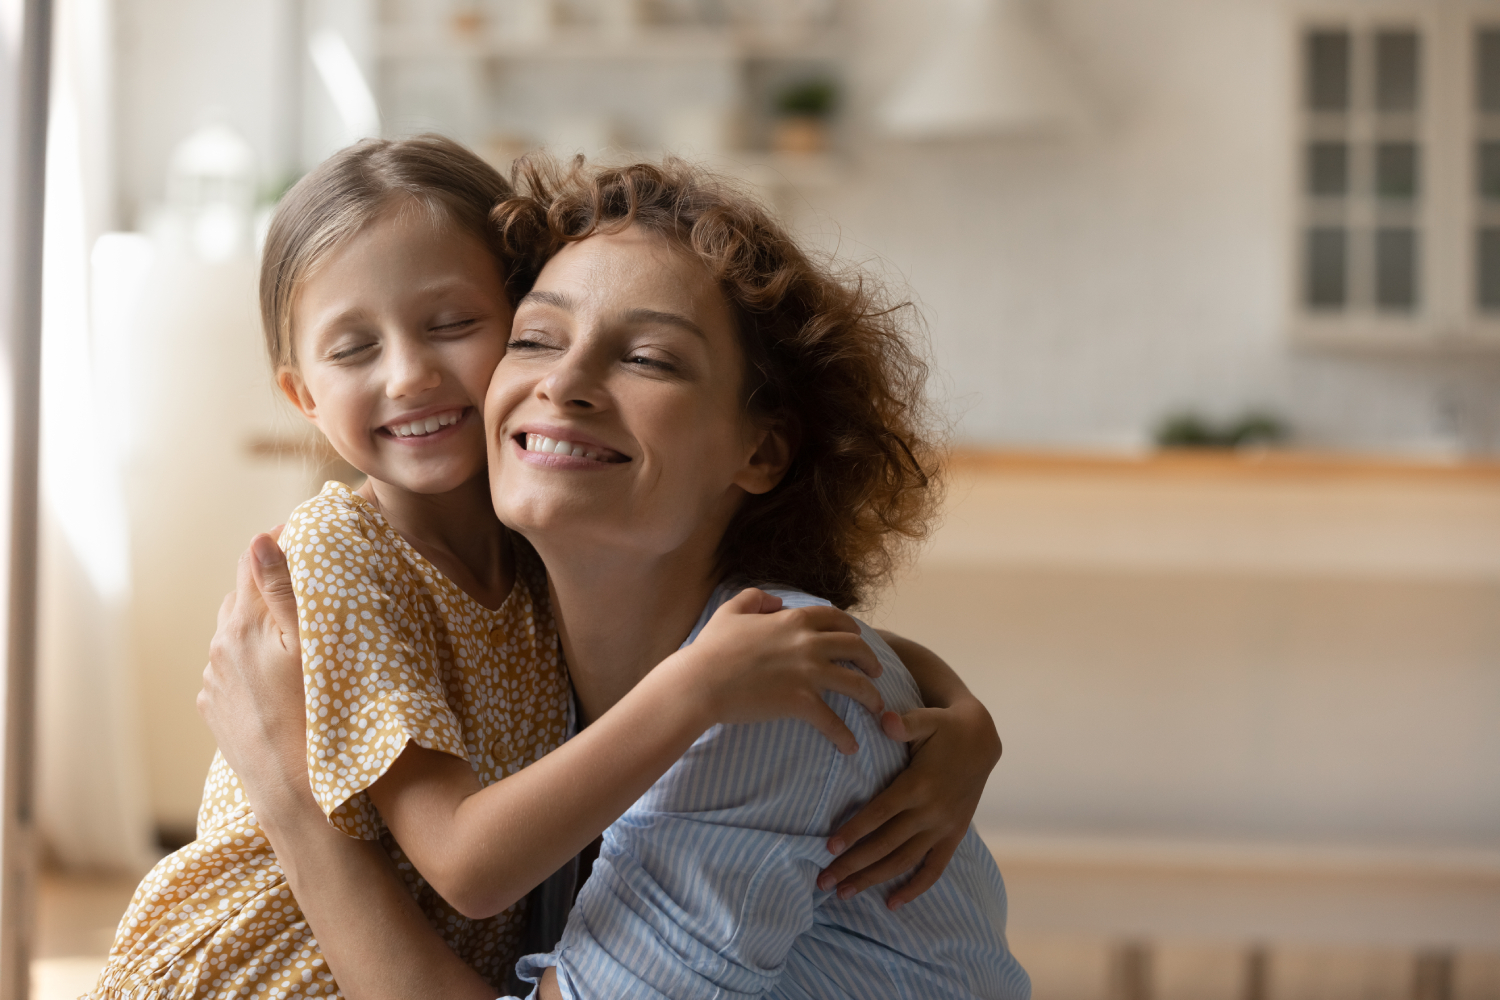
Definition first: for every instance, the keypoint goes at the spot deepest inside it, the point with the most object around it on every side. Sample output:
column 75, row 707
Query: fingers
column 750, row 601
column 826, row 721
column 926, row 876
column 826, row 619
column 913, row 727
column 273, row 579
column 872, row 817
column 871, row 848
column 845, row 647
column 904, row 855
column 842, row 680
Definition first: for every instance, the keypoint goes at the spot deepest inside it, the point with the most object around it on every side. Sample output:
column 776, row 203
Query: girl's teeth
column 427, row 426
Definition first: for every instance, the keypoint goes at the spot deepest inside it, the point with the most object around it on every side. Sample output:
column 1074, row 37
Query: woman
column 752, row 420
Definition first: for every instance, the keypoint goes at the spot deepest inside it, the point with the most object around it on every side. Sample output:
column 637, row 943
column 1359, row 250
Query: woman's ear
column 295, row 390
column 768, row 463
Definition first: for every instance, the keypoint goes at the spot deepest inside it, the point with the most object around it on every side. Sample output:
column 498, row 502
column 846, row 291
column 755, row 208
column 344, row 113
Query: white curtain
column 92, row 802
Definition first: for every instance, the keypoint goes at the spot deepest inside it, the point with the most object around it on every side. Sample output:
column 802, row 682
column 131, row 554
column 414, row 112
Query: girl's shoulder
column 340, row 526
column 336, row 513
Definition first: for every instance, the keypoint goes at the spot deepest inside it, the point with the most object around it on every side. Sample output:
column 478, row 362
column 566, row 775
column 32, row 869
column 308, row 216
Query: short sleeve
column 369, row 660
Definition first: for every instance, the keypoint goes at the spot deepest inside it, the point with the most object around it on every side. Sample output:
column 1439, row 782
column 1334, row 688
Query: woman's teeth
column 417, row 428
column 541, row 443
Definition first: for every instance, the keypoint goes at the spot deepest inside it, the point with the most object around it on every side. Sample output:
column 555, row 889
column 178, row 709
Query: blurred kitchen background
column 1213, row 292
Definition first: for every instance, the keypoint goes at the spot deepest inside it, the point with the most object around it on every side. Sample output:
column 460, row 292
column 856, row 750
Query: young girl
column 429, row 651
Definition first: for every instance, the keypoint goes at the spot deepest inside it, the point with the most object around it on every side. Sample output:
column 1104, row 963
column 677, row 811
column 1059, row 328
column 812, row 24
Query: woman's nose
column 571, row 384
column 411, row 370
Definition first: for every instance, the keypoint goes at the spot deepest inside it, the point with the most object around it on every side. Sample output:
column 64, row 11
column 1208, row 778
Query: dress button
column 497, row 635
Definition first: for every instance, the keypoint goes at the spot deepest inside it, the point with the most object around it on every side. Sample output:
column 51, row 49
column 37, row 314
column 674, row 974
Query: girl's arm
column 921, row 818
column 376, row 941
column 483, row 849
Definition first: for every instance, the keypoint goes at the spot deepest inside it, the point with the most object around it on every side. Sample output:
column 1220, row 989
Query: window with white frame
column 1398, row 173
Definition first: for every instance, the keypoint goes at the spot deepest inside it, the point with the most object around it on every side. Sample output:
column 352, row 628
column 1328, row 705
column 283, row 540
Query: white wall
column 1078, row 291
column 187, row 63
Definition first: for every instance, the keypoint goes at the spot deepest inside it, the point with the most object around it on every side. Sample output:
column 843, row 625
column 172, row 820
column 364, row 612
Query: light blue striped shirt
column 706, row 887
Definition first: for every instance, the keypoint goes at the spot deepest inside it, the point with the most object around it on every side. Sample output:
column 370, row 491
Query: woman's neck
column 619, row 615
column 456, row 531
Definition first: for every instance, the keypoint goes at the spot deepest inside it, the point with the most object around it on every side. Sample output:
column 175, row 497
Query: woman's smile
column 559, row 447
column 623, row 359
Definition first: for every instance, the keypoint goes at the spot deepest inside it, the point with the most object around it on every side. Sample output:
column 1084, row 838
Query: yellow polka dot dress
column 392, row 651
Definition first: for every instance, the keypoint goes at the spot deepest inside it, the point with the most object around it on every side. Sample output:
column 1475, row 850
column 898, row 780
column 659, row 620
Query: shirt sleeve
column 369, row 668
column 706, row 885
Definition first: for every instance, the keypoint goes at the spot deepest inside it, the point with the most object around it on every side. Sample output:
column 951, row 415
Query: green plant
column 811, row 98
column 1187, row 429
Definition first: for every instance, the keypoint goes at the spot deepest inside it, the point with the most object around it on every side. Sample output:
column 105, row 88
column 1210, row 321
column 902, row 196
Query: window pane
column 1487, row 70
column 1396, row 268
column 1326, row 279
column 1328, row 168
column 1396, row 70
column 1487, row 170
column 1328, row 70
column 1396, row 169
column 1487, row 278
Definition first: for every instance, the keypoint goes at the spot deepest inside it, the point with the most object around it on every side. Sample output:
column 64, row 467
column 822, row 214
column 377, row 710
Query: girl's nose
column 411, row 371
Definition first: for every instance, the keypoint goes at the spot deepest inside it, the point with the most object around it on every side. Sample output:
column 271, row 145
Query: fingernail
column 836, row 846
column 847, row 891
column 825, row 882
column 265, row 551
column 897, row 904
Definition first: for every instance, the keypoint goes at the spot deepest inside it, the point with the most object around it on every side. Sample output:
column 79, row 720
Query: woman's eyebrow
column 555, row 299
column 669, row 318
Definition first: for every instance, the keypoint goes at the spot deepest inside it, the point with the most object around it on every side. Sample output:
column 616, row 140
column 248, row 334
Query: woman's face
column 397, row 335
column 616, row 417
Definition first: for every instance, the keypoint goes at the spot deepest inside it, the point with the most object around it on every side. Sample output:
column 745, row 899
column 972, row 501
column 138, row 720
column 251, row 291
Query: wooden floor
column 1080, row 958
column 76, row 919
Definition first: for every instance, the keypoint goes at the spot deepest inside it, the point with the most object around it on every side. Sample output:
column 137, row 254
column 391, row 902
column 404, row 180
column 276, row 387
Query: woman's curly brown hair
column 826, row 355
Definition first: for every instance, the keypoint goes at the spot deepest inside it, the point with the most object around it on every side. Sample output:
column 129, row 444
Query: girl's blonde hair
column 351, row 188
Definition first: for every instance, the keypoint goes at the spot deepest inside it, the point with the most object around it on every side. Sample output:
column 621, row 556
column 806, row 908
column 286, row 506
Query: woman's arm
column 376, row 941
column 925, row 812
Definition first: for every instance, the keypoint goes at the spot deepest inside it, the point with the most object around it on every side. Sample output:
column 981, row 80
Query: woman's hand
column 252, row 697
column 754, row 662
column 925, row 812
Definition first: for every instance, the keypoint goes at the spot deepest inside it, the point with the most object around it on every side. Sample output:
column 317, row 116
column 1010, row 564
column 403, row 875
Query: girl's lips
column 424, row 428
column 560, row 453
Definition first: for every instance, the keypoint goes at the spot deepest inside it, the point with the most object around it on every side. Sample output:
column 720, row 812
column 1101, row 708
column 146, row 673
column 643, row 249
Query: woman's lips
column 543, row 447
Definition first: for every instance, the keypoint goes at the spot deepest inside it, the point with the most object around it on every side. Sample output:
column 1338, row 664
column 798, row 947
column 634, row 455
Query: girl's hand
column 921, row 818
column 754, row 662
column 252, row 696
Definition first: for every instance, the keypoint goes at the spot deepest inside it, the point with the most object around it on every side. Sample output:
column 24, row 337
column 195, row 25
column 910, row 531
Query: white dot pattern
column 392, row 651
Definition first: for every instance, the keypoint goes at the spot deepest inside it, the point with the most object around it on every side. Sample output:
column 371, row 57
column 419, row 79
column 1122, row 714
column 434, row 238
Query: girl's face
column 616, row 417
column 396, row 336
